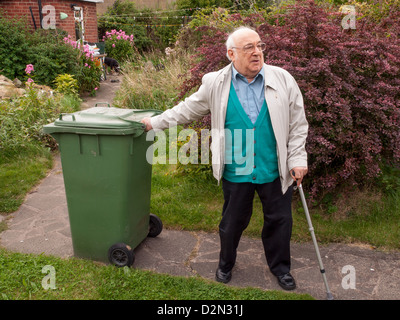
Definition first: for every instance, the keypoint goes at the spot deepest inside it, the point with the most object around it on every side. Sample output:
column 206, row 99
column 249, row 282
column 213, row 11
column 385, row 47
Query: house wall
column 15, row 8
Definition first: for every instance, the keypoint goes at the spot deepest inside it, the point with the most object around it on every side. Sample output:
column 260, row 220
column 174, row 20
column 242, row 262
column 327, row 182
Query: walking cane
column 310, row 227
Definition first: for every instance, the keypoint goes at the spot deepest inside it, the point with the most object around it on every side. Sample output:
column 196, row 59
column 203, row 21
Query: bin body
column 107, row 180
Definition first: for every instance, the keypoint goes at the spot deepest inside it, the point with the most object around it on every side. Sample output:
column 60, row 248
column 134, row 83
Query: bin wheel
column 121, row 255
column 155, row 226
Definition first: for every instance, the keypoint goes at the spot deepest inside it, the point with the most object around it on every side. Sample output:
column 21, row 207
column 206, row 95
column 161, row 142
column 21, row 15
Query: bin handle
column 102, row 103
column 141, row 125
column 62, row 114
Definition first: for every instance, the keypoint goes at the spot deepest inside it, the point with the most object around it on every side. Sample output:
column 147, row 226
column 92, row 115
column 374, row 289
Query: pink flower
column 29, row 68
column 29, row 80
column 113, row 45
column 95, row 88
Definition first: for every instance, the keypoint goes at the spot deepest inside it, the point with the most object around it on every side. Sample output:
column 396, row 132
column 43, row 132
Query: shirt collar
column 236, row 74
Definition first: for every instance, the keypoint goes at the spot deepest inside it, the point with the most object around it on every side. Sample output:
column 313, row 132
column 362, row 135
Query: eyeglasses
column 250, row 47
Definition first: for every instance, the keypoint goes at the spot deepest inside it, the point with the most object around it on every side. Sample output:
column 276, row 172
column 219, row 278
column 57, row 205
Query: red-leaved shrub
column 350, row 80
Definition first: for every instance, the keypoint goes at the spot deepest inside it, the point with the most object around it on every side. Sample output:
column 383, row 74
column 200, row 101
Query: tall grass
column 152, row 82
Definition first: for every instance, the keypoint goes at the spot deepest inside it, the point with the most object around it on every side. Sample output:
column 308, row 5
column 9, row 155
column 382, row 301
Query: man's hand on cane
column 298, row 174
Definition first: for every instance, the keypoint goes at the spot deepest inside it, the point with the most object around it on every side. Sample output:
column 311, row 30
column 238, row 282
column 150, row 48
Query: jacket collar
column 269, row 78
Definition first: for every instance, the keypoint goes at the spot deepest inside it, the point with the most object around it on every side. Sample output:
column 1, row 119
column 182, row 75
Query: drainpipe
column 33, row 18
column 40, row 12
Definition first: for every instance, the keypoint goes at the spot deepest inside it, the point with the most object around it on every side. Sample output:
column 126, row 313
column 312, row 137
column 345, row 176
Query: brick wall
column 15, row 8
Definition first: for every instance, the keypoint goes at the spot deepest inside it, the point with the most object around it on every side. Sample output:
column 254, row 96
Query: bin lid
column 113, row 120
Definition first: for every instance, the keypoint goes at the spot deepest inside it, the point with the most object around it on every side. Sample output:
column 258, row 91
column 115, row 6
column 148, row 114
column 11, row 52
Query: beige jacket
column 285, row 105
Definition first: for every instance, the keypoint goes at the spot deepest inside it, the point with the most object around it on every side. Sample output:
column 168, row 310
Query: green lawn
column 19, row 173
column 24, row 277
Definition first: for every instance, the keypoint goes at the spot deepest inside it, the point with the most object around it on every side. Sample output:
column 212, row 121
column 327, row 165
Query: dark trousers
column 277, row 229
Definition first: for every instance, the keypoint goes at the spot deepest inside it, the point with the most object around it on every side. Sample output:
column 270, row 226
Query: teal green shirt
column 250, row 149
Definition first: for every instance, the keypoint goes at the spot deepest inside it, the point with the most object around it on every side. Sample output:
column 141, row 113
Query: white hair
column 230, row 43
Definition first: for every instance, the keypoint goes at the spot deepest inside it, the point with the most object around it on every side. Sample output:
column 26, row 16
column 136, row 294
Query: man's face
column 250, row 63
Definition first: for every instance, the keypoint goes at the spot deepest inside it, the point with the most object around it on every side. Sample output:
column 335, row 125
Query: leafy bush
column 121, row 16
column 51, row 56
column 22, row 119
column 350, row 81
column 66, row 84
column 51, row 53
column 119, row 45
column 375, row 9
column 14, row 48
column 44, row 49
column 152, row 30
column 89, row 73
column 89, row 68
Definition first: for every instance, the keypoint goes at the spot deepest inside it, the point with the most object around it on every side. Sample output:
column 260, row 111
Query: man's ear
column 231, row 54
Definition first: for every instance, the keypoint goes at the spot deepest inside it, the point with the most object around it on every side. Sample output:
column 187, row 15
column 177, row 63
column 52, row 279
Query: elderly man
column 246, row 99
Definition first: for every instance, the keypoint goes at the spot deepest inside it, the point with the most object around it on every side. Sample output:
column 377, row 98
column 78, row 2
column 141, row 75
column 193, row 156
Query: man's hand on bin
column 147, row 123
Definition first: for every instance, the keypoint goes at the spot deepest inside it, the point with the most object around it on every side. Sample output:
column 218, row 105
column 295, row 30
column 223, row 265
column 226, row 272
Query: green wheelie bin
column 106, row 163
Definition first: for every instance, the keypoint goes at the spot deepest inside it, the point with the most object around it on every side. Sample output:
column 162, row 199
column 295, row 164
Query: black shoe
column 223, row 277
column 286, row 281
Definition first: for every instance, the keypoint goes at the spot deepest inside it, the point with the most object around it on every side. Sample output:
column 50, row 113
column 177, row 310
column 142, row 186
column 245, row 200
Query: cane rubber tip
column 329, row 296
